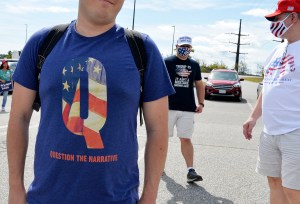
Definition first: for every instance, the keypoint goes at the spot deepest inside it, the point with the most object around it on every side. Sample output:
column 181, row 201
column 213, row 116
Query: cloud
column 168, row 5
column 211, row 45
column 38, row 9
column 257, row 12
column 36, row 6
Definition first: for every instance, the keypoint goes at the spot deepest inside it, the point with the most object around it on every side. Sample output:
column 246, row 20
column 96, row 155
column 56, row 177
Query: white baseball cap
column 184, row 40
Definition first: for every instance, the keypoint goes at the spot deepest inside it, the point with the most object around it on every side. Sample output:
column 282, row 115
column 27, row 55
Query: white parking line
column 141, row 154
column 249, row 104
column 34, row 126
column 2, row 133
column 3, row 126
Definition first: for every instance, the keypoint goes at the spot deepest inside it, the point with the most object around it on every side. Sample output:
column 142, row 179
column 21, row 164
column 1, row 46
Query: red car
column 223, row 82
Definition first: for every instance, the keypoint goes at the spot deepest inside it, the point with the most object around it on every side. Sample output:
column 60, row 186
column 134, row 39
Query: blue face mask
column 183, row 51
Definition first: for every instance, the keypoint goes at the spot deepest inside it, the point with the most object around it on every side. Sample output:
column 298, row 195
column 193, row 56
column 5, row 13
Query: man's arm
column 200, row 90
column 17, row 141
column 156, row 120
column 251, row 121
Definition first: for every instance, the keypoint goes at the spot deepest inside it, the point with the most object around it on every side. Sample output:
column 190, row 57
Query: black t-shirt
column 183, row 73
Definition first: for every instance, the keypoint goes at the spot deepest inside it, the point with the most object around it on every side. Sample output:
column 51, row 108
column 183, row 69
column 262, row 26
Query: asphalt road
column 223, row 157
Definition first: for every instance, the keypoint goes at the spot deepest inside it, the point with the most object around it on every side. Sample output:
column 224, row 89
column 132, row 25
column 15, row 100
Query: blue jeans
column 5, row 94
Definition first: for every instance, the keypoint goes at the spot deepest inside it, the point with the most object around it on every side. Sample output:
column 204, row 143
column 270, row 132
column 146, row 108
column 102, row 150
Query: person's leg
column 269, row 163
column 185, row 128
column 277, row 195
column 187, row 151
column 5, row 94
column 290, row 147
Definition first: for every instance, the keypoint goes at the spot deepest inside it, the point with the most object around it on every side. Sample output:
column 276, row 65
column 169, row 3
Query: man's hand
column 248, row 127
column 251, row 122
column 199, row 109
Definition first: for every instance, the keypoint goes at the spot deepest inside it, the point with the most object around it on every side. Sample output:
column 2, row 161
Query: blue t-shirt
column 86, row 148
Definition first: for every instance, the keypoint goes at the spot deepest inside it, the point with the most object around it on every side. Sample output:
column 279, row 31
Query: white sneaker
column 3, row 110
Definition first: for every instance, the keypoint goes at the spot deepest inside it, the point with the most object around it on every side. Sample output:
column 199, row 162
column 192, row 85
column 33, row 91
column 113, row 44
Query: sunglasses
column 185, row 46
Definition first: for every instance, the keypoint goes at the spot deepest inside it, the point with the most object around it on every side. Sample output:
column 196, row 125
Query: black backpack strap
column 50, row 41
column 139, row 54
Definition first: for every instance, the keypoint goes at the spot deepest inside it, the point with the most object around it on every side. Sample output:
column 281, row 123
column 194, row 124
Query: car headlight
column 237, row 85
column 208, row 84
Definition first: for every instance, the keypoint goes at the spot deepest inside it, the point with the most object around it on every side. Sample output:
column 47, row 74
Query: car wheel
column 207, row 97
column 239, row 98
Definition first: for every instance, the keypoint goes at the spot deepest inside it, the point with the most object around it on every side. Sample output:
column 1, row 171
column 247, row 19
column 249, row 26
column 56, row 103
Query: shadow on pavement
column 190, row 194
column 227, row 99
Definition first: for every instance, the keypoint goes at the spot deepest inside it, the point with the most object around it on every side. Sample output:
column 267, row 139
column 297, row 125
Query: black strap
column 138, row 51
column 135, row 42
column 50, row 41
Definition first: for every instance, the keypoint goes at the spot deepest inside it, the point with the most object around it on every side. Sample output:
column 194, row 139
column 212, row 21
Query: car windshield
column 230, row 76
column 12, row 66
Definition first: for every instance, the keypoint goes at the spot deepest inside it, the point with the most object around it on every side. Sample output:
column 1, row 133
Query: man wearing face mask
column 184, row 72
column 279, row 105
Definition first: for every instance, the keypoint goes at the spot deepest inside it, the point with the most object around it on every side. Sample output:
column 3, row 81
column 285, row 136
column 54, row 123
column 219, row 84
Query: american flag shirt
column 281, row 90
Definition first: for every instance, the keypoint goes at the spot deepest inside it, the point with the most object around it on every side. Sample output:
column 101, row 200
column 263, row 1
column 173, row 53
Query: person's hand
column 3, row 81
column 17, row 196
column 248, row 127
column 199, row 109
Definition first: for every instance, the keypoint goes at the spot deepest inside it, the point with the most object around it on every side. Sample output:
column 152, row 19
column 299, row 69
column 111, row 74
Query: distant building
column 15, row 54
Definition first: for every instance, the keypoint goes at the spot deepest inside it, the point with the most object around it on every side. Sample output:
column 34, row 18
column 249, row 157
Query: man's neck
column 89, row 29
column 295, row 35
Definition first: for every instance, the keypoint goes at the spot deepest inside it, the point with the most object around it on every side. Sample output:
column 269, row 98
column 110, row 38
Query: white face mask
column 278, row 28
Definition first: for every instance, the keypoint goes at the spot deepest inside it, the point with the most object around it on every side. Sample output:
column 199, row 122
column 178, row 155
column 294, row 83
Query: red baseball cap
column 4, row 61
column 284, row 6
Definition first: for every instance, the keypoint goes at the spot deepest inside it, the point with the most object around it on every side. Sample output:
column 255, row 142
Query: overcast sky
column 211, row 23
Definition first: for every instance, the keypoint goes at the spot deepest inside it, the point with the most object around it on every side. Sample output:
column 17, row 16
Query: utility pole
column 133, row 15
column 25, row 33
column 236, row 65
column 173, row 39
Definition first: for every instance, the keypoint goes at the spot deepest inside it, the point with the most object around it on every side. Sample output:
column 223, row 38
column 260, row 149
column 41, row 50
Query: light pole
column 26, row 33
column 173, row 39
column 133, row 15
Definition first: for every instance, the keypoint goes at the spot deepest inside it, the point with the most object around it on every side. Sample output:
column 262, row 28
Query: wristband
column 202, row 104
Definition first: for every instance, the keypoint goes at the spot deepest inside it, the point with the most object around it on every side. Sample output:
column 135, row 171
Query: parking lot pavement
column 222, row 156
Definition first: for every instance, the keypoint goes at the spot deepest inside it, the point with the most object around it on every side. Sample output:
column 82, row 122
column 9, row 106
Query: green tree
column 8, row 56
column 243, row 68
column 260, row 70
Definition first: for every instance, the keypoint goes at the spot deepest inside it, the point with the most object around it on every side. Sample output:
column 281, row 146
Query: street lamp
column 26, row 33
column 133, row 15
column 173, row 39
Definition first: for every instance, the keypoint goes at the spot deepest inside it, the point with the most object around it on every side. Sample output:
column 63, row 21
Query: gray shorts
column 184, row 121
column 279, row 156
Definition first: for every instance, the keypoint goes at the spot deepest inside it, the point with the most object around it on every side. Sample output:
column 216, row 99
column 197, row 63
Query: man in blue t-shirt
column 184, row 72
column 86, row 148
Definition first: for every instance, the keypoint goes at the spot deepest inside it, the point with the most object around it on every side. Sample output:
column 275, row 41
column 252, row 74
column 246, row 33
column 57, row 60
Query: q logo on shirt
column 84, row 99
